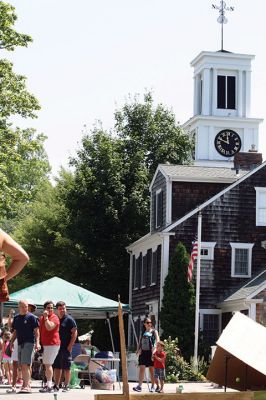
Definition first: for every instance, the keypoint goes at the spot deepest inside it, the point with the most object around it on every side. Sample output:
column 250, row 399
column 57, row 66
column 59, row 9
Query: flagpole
column 197, row 294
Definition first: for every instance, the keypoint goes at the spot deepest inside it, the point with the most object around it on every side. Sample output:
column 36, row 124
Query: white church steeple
column 222, row 124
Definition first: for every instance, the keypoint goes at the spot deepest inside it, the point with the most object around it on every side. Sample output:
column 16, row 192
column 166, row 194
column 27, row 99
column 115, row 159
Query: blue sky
column 88, row 55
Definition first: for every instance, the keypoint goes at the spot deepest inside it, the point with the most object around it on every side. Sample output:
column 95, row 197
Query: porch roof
column 250, row 289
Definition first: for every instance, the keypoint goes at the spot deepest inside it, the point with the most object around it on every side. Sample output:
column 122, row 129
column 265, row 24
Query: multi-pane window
column 207, row 250
column 210, row 328
column 226, row 92
column 241, row 259
column 260, row 206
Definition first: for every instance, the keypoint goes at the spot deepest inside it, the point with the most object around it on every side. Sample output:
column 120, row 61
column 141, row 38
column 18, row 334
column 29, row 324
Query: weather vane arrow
column 222, row 19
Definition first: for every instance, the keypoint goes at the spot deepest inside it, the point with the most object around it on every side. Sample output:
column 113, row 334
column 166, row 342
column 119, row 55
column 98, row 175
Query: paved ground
column 88, row 394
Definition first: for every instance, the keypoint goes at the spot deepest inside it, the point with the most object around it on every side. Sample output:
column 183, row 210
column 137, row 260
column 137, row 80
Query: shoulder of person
column 54, row 318
column 71, row 320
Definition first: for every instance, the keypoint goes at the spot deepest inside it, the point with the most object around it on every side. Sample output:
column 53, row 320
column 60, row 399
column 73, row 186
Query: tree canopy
column 107, row 204
column 23, row 161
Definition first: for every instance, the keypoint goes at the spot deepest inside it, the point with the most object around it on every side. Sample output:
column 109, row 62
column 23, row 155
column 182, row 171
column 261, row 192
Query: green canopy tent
column 80, row 302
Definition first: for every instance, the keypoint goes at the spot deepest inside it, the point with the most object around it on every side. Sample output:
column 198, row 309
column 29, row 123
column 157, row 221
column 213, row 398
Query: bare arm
column 13, row 338
column 74, row 334
column 37, row 337
column 10, row 318
column 16, row 252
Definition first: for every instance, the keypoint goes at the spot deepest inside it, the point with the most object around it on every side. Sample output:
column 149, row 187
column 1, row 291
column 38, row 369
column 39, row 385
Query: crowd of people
column 56, row 334
column 25, row 334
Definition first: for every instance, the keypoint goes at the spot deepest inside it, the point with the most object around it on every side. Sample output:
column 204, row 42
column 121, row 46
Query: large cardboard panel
column 245, row 339
column 239, row 375
column 239, row 360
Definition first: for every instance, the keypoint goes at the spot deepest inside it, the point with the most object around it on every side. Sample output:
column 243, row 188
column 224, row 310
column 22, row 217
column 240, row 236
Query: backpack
column 152, row 340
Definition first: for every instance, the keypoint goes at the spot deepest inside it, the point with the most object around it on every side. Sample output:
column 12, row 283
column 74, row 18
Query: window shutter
column 231, row 92
column 144, row 271
column 160, row 209
column 134, row 272
column 138, row 271
column 220, row 91
column 149, row 266
column 154, row 267
column 154, row 211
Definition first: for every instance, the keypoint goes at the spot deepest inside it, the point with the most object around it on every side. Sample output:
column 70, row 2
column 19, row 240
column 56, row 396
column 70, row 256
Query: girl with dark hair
column 145, row 351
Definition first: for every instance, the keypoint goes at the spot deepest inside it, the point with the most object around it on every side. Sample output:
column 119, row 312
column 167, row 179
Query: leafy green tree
column 42, row 232
column 178, row 305
column 14, row 97
column 109, row 203
column 23, row 161
column 104, row 206
column 9, row 38
column 23, row 167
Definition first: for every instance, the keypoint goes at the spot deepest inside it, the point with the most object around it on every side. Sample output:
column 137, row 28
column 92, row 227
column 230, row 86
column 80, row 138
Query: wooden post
column 123, row 355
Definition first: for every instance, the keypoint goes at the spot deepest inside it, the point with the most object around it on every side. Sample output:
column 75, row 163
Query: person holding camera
column 50, row 340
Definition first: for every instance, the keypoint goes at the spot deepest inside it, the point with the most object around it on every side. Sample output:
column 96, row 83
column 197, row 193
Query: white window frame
column 259, row 190
column 210, row 247
column 209, row 311
column 247, row 246
column 156, row 208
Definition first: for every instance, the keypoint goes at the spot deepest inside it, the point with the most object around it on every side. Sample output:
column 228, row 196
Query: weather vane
column 222, row 19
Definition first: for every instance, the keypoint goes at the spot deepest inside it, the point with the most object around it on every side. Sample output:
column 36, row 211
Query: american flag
column 194, row 253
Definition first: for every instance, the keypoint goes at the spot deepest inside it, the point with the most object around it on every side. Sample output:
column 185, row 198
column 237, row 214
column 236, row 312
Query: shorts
column 25, row 353
column 7, row 360
column 145, row 358
column 49, row 354
column 14, row 355
column 63, row 359
column 159, row 373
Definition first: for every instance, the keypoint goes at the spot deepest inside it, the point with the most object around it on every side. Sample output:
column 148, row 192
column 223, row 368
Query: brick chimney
column 247, row 160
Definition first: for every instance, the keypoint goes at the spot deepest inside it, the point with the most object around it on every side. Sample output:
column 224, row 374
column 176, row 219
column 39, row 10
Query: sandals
column 25, row 390
column 11, row 390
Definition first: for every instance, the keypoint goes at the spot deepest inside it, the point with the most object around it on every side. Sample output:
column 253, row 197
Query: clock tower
column 222, row 125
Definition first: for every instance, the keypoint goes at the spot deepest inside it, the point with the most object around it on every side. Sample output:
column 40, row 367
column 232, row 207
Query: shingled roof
column 198, row 173
column 250, row 289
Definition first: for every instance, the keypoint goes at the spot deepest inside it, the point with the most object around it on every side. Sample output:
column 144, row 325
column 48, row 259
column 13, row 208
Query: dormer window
column 158, row 208
column 226, row 92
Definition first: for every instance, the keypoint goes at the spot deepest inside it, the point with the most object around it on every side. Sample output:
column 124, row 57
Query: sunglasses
column 148, row 322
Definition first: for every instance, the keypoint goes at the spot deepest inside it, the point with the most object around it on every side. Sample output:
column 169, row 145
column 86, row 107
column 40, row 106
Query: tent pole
column 111, row 334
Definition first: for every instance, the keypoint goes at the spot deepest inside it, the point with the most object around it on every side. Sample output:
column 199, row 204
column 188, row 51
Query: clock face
column 227, row 142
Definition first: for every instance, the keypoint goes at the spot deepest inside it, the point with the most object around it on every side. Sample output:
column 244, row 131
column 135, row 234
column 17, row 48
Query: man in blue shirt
column 68, row 334
column 26, row 331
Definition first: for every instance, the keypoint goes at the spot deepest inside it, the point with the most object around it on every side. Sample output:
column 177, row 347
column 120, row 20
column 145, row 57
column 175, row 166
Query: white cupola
column 221, row 123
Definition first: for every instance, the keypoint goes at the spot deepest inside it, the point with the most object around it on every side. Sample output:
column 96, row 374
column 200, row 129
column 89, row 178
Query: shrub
column 177, row 368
